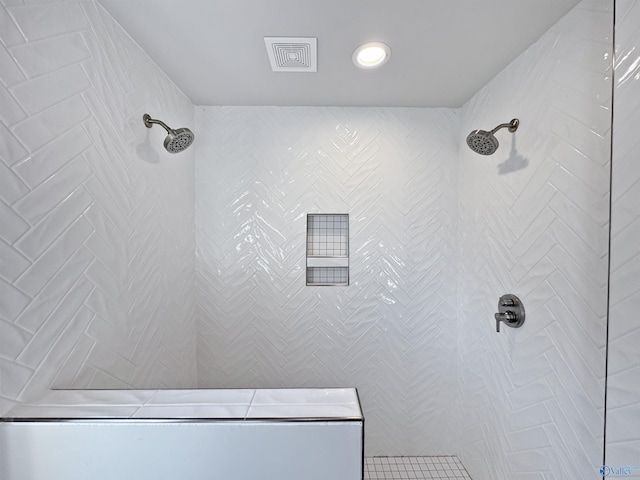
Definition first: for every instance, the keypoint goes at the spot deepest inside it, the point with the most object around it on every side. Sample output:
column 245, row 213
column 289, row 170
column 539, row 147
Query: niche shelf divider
column 327, row 249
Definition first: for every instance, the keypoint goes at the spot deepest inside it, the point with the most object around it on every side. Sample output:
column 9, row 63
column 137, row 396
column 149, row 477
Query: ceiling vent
column 291, row 54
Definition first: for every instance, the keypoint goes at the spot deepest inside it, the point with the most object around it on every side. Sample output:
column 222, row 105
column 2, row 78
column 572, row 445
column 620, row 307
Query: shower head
column 482, row 142
column 485, row 143
column 177, row 140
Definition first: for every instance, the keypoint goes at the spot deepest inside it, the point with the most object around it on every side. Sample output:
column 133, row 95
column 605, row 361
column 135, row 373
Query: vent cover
column 290, row 54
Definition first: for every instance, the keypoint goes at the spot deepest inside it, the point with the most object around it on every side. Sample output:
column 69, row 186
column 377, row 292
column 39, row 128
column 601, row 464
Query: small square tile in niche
column 327, row 249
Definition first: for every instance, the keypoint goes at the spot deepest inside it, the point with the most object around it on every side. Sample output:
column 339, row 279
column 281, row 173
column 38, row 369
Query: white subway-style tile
column 38, row 203
column 113, row 236
column 14, row 378
column 49, row 19
column 113, row 287
column 12, row 301
column 46, row 300
column 48, row 264
column 11, row 112
column 107, row 129
column 12, row 188
column 34, row 353
column 575, row 132
column 587, row 54
column 114, row 261
column 44, row 56
column 583, row 167
column 528, row 417
column 54, row 223
column 9, row 32
column 580, row 252
column 579, row 279
column 581, row 223
column 113, row 183
column 12, row 340
column 108, row 206
column 74, row 363
column 42, row 92
column 118, row 166
column 101, row 329
column 11, row 150
column 106, row 88
column 13, row 263
column 43, row 163
column 46, row 126
column 579, row 193
column 106, row 358
column 590, row 321
column 13, row 225
column 102, row 24
column 74, row 330
column 10, row 73
column 590, row 24
column 112, row 309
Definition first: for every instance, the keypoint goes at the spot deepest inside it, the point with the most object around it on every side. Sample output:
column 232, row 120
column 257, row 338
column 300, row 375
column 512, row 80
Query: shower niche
column 327, row 249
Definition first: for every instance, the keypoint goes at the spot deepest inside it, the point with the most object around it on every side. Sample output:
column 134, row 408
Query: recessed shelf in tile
column 327, row 249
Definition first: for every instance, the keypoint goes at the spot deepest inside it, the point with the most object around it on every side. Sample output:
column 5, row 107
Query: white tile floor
column 443, row 468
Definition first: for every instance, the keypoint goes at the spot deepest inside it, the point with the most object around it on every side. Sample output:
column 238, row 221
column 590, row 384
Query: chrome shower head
column 485, row 143
column 177, row 140
column 482, row 142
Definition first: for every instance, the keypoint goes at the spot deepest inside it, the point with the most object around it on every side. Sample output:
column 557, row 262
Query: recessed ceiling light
column 371, row 55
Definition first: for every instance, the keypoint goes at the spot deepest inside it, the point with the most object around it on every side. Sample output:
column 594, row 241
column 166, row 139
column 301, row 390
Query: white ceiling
column 443, row 51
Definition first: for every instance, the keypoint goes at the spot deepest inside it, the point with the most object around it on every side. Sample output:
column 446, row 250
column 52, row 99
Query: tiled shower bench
column 221, row 434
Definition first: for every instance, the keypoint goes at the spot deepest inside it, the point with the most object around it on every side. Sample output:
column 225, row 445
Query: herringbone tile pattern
column 391, row 332
column 96, row 224
column 534, row 222
column 623, row 387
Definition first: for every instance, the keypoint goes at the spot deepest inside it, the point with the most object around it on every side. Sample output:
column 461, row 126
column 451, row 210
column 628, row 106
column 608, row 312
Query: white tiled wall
column 391, row 333
column 534, row 222
column 623, row 387
column 96, row 220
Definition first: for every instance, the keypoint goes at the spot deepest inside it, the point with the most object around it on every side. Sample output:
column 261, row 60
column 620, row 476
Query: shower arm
column 148, row 121
column 512, row 126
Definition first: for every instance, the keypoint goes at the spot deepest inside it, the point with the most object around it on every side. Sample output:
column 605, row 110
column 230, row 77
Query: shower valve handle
column 506, row 317
column 510, row 312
